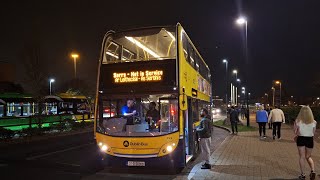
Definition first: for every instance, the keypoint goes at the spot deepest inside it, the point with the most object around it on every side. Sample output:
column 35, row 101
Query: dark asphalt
column 71, row 157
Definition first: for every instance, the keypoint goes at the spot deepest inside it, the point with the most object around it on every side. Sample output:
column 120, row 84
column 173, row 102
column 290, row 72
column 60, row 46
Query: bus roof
column 15, row 95
column 71, row 96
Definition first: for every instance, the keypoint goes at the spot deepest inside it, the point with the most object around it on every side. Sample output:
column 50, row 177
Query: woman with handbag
column 304, row 129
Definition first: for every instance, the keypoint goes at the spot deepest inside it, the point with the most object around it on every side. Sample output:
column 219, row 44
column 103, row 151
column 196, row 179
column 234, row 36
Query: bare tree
column 35, row 74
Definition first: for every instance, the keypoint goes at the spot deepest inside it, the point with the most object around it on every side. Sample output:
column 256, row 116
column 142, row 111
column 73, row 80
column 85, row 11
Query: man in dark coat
column 234, row 119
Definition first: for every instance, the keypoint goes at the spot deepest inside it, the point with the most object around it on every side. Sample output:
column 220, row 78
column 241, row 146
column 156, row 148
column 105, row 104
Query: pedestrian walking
column 276, row 117
column 262, row 119
column 243, row 112
column 234, row 119
column 204, row 131
column 304, row 129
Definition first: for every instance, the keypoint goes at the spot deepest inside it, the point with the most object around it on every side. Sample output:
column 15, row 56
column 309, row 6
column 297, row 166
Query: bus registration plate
column 136, row 163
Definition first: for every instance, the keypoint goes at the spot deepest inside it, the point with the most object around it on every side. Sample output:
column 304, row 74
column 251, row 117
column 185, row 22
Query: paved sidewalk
column 245, row 156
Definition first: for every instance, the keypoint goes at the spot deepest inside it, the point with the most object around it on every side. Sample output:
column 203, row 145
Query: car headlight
column 218, row 110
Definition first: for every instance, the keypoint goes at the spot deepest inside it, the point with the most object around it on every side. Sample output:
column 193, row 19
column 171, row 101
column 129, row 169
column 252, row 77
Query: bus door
column 189, row 132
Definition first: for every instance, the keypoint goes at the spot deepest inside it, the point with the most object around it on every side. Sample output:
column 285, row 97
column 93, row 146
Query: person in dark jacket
column 204, row 132
column 234, row 119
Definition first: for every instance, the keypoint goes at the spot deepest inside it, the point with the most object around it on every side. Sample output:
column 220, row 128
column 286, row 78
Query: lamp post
column 243, row 21
column 279, row 82
column 50, row 82
column 236, row 73
column 226, row 62
column 266, row 94
column 243, row 91
column 273, row 92
column 234, row 95
column 237, row 94
column 75, row 56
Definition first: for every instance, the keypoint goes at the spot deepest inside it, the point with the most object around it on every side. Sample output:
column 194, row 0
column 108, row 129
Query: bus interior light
column 113, row 55
column 134, row 41
column 171, row 35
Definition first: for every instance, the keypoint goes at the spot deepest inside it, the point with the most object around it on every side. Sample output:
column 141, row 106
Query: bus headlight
column 104, row 148
column 169, row 148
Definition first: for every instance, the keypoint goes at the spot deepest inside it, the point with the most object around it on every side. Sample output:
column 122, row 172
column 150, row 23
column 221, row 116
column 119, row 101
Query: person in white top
column 304, row 129
column 276, row 116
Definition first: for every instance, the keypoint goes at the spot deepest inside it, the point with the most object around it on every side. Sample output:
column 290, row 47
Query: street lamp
column 50, row 82
column 273, row 92
column 243, row 21
column 234, row 95
column 226, row 62
column 279, row 82
column 266, row 94
column 235, row 72
column 243, row 91
column 238, row 95
column 75, row 56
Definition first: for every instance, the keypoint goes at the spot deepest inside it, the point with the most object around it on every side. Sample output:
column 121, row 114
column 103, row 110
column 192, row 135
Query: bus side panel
column 176, row 159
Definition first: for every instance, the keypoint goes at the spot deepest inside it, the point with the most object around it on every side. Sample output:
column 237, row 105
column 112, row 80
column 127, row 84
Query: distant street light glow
column 226, row 62
column 75, row 56
column 50, row 85
column 241, row 20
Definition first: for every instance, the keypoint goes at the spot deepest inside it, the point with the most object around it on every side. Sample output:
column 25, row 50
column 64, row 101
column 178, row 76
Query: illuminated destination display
column 138, row 76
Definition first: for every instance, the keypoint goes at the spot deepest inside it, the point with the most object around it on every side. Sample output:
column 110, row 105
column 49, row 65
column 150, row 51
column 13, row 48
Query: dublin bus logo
column 125, row 143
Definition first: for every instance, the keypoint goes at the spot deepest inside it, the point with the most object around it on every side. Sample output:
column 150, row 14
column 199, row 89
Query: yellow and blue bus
column 156, row 64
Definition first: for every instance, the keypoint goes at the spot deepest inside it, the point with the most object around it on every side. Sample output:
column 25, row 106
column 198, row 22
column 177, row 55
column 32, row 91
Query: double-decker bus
column 66, row 103
column 146, row 65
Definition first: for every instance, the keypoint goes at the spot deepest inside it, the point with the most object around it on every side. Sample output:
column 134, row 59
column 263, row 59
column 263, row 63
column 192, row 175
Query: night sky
column 283, row 37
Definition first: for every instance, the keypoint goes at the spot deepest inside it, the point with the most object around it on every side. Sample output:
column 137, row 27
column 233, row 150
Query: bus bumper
column 175, row 159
